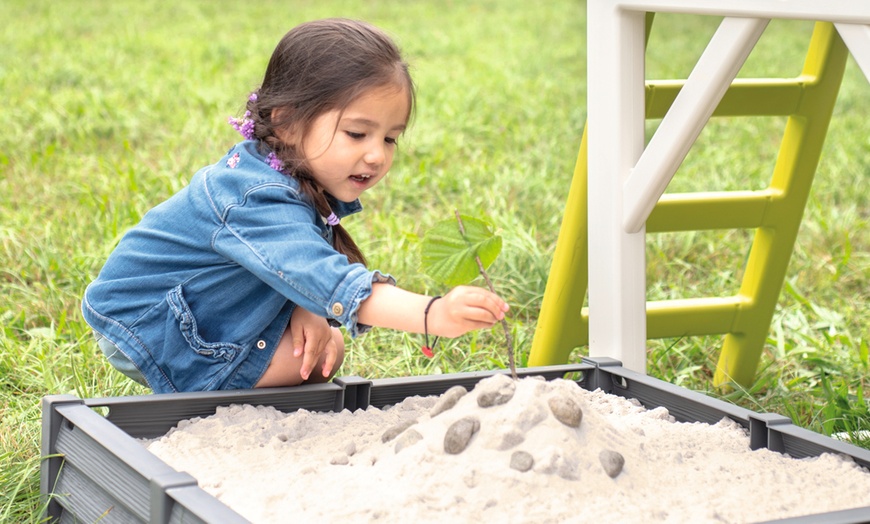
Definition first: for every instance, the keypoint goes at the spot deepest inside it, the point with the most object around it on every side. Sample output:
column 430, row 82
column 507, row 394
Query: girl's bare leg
column 284, row 368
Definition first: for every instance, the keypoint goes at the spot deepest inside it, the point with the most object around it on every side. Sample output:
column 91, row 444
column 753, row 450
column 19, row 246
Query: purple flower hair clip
column 244, row 125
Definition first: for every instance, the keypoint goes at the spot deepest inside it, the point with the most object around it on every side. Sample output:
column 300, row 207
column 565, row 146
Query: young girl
column 239, row 279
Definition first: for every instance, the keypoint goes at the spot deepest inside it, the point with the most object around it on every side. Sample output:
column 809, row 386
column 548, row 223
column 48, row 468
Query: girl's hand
column 312, row 336
column 463, row 309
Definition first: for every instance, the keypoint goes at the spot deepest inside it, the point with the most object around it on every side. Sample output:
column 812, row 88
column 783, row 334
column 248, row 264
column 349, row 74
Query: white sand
column 334, row 467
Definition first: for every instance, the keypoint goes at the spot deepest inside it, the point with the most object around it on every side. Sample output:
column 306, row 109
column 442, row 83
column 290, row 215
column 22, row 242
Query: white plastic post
column 617, row 279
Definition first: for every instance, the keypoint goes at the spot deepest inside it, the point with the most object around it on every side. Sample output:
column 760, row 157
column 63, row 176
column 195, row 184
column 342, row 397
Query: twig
column 507, row 333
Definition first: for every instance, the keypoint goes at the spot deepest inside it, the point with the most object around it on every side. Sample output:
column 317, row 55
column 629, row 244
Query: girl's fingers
column 297, row 334
column 331, row 356
column 482, row 298
column 490, row 308
column 309, row 362
column 298, row 342
column 311, row 354
column 492, row 302
column 466, row 308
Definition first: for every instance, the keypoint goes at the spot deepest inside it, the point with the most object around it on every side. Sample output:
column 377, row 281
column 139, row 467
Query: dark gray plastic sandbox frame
column 93, row 469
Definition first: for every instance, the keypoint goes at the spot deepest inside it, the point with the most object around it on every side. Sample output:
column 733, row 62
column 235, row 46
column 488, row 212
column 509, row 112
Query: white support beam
column 857, row 39
column 617, row 270
column 847, row 11
column 716, row 69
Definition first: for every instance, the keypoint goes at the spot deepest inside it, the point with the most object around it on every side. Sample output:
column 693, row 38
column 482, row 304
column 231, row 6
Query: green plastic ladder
column 774, row 213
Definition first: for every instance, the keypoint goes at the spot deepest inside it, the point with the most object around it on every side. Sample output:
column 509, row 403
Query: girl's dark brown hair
column 317, row 67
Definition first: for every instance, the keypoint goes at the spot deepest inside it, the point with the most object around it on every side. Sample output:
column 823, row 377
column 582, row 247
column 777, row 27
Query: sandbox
column 99, row 469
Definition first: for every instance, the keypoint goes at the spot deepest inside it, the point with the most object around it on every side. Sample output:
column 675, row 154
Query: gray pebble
column 530, row 416
column 522, row 461
column 559, row 464
column 340, row 460
column 408, row 438
column 566, row 411
column 495, row 391
column 612, row 462
column 394, row 431
column 350, row 448
column 459, row 434
column 510, row 439
column 448, row 400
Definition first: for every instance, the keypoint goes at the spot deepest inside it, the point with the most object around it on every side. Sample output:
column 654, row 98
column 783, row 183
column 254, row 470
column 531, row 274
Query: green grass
column 110, row 107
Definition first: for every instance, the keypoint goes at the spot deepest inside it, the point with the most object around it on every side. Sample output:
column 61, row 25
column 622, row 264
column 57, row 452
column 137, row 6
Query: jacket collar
column 341, row 209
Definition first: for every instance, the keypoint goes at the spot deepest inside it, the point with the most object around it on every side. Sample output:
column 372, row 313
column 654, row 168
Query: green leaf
column 449, row 257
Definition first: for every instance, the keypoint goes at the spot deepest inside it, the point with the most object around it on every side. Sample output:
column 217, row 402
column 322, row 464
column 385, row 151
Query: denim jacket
column 198, row 294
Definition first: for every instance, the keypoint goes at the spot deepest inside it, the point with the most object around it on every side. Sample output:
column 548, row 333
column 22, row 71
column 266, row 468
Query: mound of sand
column 508, row 451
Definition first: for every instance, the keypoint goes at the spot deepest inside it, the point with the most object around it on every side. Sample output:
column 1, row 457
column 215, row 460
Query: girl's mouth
column 360, row 179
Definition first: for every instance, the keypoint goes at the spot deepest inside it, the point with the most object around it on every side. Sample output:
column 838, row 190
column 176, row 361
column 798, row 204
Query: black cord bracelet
column 427, row 349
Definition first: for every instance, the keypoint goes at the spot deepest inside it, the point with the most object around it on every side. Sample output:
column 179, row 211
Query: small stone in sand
column 340, row 460
column 522, row 461
column 511, row 439
column 612, row 462
column 408, row 438
column 394, row 431
column 566, row 411
column 530, row 416
column 499, row 389
column 448, row 400
column 459, row 434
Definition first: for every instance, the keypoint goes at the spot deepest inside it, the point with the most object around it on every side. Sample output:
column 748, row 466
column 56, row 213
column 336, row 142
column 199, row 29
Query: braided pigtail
column 341, row 239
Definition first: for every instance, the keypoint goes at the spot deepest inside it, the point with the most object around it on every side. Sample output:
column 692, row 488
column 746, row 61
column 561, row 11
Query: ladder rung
column 695, row 316
column 684, row 317
column 745, row 97
column 711, row 210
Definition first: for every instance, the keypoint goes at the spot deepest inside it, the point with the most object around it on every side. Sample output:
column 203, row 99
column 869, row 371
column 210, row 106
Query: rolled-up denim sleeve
column 273, row 234
column 350, row 295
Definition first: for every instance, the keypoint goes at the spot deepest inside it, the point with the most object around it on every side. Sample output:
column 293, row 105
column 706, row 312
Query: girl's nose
column 376, row 154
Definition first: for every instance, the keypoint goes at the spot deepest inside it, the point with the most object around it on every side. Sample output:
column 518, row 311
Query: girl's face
column 350, row 151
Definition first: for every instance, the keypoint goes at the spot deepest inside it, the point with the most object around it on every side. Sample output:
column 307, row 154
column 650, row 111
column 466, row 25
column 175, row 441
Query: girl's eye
column 391, row 141
column 355, row 136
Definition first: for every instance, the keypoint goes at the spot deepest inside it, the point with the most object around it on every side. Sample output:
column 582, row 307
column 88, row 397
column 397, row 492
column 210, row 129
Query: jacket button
column 337, row 309
column 261, row 344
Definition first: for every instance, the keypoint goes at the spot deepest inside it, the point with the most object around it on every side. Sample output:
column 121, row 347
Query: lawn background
column 109, row 108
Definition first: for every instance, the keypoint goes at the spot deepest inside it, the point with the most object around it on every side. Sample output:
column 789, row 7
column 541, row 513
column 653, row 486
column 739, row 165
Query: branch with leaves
column 455, row 256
